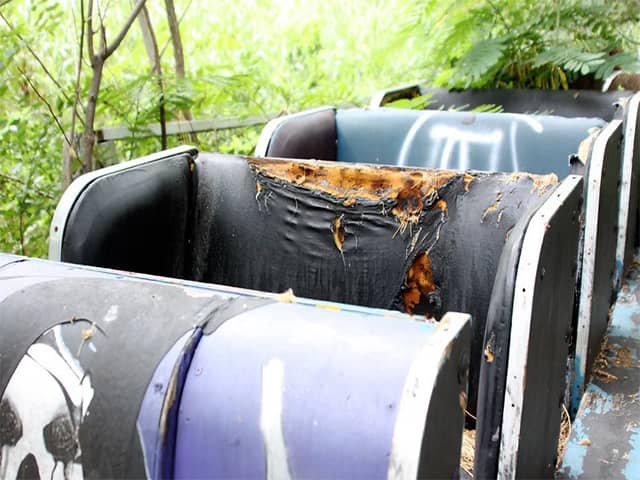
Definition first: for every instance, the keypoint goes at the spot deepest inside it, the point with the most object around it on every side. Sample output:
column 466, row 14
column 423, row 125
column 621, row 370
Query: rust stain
column 540, row 183
column 488, row 353
column 408, row 205
column 409, row 188
column 492, row 208
column 338, row 232
column 442, row 205
column 468, row 178
column 419, row 282
column 543, row 183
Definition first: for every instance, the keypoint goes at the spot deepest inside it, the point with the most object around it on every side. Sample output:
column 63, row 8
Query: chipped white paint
column 198, row 292
column 628, row 156
column 592, row 212
column 71, row 194
column 112, row 314
column 271, row 420
column 416, row 397
column 521, row 326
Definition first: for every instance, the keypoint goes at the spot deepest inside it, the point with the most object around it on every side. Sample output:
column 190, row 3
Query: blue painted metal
column 342, row 379
column 605, row 439
column 150, row 410
column 505, row 142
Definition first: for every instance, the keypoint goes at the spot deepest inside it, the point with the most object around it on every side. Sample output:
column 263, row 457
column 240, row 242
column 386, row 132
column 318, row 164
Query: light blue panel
column 503, row 142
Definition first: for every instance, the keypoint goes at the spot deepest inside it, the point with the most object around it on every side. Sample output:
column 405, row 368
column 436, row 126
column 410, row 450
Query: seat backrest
column 461, row 140
column 415, row 240
column 527, row 340
column 134, row 218
column 564, row 103
column 432, row 139
column 306, row 134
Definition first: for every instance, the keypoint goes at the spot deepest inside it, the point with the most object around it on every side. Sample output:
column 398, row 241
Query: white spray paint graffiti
column 41, row 410
column 271, row 420
column 444, row 138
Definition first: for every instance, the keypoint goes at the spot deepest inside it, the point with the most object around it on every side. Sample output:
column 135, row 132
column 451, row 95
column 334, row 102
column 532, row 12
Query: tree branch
column 37, row 58
column 184, row 12
column 90, row 32
column 44, row 100
column 76, row 98
column 13, row 179
column 151, row 45
column 123, row 32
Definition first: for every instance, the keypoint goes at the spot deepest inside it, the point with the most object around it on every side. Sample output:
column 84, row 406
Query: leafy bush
column 521, row 43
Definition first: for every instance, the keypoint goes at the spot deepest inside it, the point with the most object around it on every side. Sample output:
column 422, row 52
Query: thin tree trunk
column 178, row 54
column 88, row 138
column 97, row 60
column 151, row 45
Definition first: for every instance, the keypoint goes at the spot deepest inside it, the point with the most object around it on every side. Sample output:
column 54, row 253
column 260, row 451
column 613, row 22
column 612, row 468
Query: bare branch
column 44, row 100
column 178, row 55
column 184, row 12
column 36, row 57
column 176, row 39
column 151, row 45
column 76, row 99
column 90, row 32
column 4, row 2
column 39, row 192
column 150, row 41
column 116, row 42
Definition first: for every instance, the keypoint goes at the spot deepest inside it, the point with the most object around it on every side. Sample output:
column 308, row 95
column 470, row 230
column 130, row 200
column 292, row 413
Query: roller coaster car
column 293, row 317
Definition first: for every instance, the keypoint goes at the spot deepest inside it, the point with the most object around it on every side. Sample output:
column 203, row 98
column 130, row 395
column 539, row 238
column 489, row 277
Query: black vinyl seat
column 506, row 142
column 417, row 240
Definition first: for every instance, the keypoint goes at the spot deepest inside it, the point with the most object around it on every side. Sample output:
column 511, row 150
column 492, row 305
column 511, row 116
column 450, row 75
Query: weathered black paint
column 282, row 236
column 283, row 239
column 152, row 317
column 565, row 103
column 142, row 228
column 605, row 254
column 495, row 355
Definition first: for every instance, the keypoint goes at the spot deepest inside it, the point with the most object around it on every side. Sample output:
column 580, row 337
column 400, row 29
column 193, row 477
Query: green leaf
column 481, row 57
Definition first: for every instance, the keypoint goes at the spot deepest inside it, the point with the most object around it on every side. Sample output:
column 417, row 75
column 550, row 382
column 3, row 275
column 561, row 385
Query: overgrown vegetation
column 247, row 57
column 529, row 44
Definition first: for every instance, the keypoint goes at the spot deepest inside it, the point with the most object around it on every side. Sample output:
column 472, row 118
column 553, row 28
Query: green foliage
column 248, row 57
column 521, row 43
column 243, row 57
